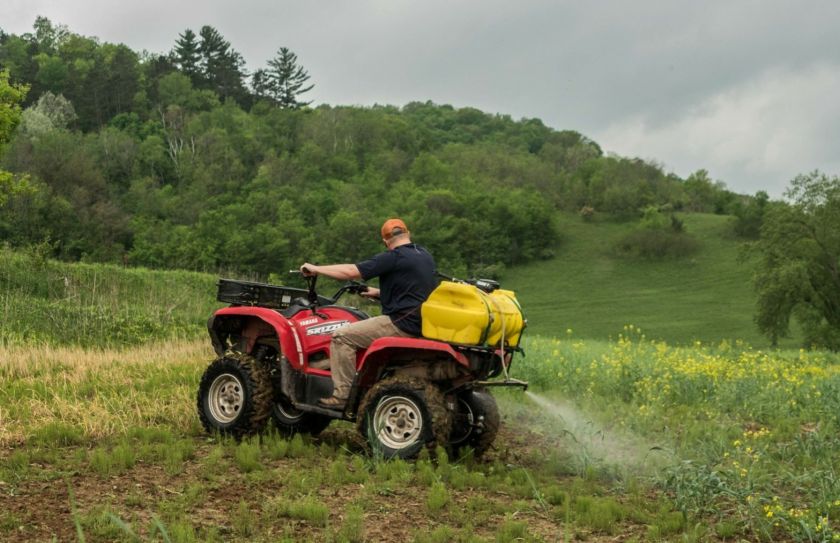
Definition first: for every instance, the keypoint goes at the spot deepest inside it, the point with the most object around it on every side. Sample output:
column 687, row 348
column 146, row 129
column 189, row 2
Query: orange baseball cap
column 391, row 225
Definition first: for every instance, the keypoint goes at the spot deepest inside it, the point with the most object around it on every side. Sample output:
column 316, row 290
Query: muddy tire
column 399, row 416
column 476, row 422
column 289, row 421
column 234, row 396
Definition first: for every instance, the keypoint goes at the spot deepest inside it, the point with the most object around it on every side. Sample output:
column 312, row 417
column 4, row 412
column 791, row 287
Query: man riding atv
column 406, row 383
column 406, row 273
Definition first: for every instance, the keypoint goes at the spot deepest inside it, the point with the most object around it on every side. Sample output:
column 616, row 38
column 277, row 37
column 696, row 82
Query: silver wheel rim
column 397, row 422
column 470, row 417
column 226, row 397
column 288, row 412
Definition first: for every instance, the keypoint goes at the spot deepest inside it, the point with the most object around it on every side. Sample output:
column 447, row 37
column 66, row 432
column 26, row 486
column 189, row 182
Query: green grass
column 56, row 303
column 589, row 289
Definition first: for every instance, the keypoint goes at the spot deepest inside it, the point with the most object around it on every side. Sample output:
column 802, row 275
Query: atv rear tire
column 289, row 421
column 401, row 415
column 234, row 395
column 476, row 422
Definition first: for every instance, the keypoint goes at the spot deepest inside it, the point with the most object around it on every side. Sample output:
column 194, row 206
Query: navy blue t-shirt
column 406, row 278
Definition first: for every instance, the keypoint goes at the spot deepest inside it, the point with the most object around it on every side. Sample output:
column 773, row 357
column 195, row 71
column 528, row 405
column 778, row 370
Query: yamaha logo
column 326, row 328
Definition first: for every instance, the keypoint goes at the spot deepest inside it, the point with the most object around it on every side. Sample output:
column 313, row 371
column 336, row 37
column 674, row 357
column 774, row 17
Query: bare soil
column 39, row 507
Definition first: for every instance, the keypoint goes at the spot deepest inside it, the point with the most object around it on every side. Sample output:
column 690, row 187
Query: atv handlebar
column 353, row 287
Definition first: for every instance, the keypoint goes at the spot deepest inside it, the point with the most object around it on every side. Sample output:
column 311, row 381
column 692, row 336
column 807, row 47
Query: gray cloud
column 743, row 89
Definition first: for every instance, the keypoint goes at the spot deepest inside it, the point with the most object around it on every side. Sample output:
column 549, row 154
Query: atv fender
column 257, row 322
column 383, row 350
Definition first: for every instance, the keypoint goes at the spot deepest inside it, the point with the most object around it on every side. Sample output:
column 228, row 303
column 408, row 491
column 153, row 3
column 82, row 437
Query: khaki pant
column 349, row 339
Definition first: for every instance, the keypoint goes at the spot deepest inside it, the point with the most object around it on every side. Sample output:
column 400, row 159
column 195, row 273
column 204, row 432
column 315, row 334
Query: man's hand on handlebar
column 371, row 292
column 308, row 270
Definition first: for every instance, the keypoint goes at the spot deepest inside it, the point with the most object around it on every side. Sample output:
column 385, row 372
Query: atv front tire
column 476, row 422
column 234, row 395
column 401, row 415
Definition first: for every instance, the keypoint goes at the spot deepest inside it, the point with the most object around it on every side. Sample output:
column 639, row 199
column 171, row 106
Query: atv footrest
column 309, row 408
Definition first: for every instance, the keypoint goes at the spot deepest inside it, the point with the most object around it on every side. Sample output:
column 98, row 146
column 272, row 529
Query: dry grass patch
column 64, row 394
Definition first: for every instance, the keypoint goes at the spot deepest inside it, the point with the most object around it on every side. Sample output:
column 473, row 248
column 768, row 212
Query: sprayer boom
column 509, row 382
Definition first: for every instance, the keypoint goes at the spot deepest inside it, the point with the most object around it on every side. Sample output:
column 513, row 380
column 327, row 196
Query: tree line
column 184, row 160
column 102, row 80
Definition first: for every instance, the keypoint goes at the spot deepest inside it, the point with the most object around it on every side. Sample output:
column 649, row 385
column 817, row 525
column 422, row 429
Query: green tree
column 749, row 215
column 49, row 113
column 223, row 69
column 284, row 80
column 17, row 55
column 12, row 185
column 11, row 96
column 175, row 89
column 187, row 56
column 52, row 73
column 799, row 271
column 122, row 78
column 48, row 36
column 701, row 192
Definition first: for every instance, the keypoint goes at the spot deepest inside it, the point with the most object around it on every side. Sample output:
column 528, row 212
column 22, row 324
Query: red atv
column 273, row 349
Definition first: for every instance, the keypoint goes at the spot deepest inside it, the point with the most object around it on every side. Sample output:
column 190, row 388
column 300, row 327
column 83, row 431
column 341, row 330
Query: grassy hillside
column 587, row 289
column 44, row 301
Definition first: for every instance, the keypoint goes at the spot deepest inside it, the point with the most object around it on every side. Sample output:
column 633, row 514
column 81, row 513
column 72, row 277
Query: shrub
column 57, row 434
column 656, row 244
column 512, row 530
column 247, row 455
column 438, row 498
column 308, row 509
column 353, row 528
column 176, row 454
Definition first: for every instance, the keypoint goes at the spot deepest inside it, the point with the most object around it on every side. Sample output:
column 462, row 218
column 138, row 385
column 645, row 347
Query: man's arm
column 342, row 272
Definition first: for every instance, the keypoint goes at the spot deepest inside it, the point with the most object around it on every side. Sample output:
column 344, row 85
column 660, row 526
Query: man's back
column 406, row 278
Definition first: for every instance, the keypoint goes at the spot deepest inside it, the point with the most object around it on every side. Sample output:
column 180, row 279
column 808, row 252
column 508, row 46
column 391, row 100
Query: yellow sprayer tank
column 464, row 314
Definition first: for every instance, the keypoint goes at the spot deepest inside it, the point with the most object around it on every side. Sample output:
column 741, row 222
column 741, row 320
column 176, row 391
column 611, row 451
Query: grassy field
column 588, row 289
column 629, row 440
column 105, row 446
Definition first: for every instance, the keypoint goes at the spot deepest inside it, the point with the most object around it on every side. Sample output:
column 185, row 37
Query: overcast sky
column 749, row 90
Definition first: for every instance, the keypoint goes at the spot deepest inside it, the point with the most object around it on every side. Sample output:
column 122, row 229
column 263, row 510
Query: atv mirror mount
column 312, row 294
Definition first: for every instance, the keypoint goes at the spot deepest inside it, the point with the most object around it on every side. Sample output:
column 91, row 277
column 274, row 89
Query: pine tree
column 187, row 56
column 260, row 83
column 222, row 68
column 285, row 80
